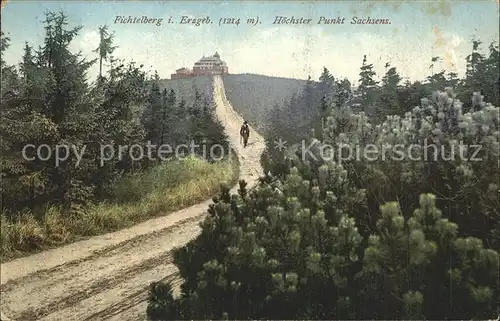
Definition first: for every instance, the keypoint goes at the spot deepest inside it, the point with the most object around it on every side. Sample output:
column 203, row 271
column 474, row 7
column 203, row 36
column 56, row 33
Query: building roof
column 213, row 59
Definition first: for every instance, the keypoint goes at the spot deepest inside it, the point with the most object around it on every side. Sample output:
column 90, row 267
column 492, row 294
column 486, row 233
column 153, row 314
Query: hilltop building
column 212, row 65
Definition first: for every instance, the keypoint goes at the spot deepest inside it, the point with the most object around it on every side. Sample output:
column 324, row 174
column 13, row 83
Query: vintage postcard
column 265, row 160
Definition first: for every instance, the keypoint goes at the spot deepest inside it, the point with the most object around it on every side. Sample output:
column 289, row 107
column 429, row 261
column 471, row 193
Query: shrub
column 341, row 239
column 269, row 256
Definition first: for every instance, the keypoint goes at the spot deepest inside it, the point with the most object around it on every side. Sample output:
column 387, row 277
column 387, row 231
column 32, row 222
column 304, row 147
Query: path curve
column 106, row 277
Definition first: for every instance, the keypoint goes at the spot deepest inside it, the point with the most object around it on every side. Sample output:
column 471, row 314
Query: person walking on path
column 245, row 133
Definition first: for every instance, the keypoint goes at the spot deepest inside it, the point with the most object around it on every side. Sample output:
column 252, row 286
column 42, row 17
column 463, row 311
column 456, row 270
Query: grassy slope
column 185, row 87
column 253, row 96
column 166, row 188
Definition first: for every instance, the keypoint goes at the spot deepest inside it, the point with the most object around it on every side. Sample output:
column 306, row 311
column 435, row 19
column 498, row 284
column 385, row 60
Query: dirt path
column 107, row 277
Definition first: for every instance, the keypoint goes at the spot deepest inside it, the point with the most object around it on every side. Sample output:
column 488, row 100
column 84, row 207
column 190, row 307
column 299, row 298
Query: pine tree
column 4, row 45
column 326, row 78
column 154, row 112
column 173, row 112
column 213, row 132
column 105, row 48
column 388, row 103
column 481, row 75
column 9, row 74
column 54, row 98
column 367, row 88
column 125, row 97
column 23, row 181
column 433, row 61
column 452, row 80
column 474, row 59
column 437, row 80
column 345, row 86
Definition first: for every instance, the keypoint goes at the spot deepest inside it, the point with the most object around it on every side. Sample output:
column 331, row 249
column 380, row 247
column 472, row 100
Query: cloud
column 448, row 45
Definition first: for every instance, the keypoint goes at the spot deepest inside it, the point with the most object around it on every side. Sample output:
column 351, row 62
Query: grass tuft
column 135, row 198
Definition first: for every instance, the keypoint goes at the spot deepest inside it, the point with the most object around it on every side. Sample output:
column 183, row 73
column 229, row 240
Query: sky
column 419, row 30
